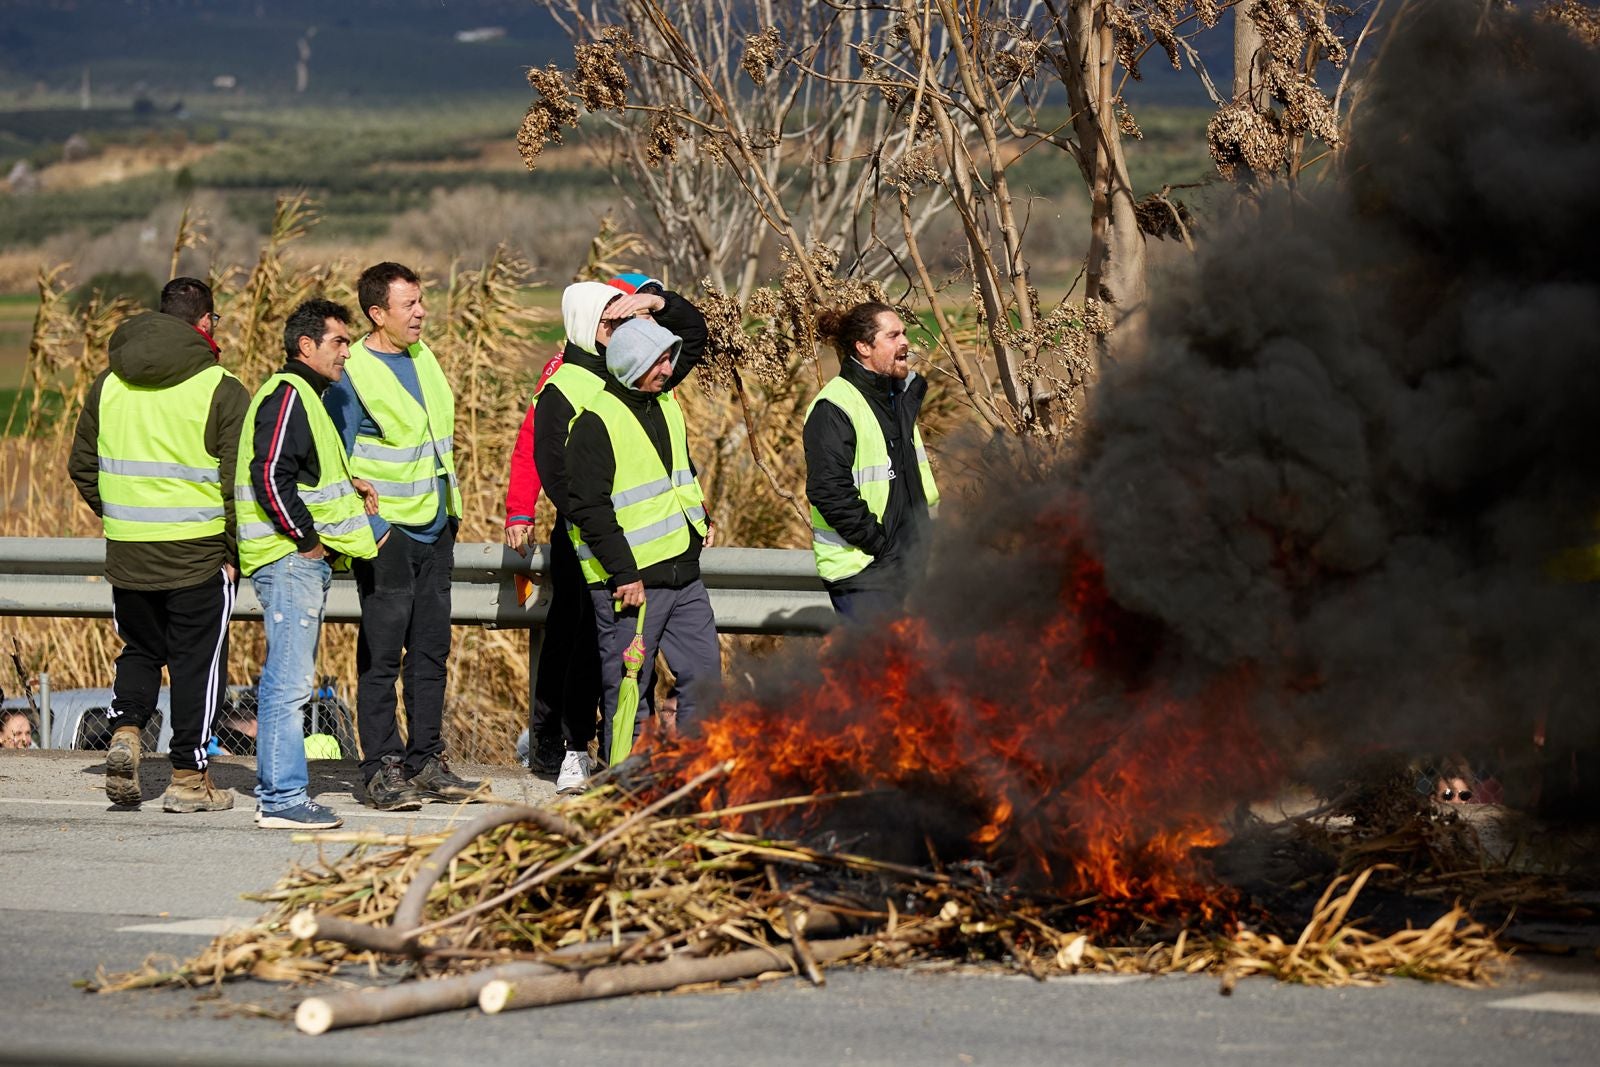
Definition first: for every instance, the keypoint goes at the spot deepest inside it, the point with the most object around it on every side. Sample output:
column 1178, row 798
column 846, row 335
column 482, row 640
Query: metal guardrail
column 753, row 590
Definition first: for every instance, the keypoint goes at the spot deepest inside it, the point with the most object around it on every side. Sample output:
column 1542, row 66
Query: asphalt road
column 83, row 886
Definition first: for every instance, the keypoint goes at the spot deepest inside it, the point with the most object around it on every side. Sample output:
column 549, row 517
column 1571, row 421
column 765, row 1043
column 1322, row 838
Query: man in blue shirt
column 396, row 414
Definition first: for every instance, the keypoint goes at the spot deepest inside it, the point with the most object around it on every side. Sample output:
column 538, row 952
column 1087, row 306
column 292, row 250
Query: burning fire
column 1059, row 760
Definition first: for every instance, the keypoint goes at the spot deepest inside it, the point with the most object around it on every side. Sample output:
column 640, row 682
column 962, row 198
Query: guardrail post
column 44, row 709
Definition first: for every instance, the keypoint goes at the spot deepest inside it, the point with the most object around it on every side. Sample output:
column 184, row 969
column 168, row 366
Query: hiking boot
column 122, row 766
column 436, row 781
column 308, row 815
column 388, row 790
column 575, row 770
column 194, row 791
column 547, row 756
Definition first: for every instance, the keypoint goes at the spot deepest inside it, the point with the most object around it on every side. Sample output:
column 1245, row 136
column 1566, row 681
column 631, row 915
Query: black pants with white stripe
column 186, row 631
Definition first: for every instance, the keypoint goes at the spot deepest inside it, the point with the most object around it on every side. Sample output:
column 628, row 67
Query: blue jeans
column 293, row 592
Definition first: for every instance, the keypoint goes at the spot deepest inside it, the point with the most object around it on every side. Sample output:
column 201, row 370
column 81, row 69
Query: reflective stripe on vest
column 335, row 506
column 415, row 445
column 872, row 473
column 158, row 482
column 654, row 508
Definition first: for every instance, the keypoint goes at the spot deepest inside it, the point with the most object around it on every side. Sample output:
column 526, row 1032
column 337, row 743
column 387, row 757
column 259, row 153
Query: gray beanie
column 635, row 346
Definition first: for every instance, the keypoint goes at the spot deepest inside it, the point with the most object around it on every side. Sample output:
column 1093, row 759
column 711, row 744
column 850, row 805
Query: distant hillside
column 361, row 49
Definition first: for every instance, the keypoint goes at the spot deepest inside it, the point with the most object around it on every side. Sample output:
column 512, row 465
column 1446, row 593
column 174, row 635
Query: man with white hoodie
column 569, row 670
column 640, row 521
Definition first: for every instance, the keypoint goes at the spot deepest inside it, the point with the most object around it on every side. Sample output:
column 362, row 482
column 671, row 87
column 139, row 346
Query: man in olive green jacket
column 156, row 444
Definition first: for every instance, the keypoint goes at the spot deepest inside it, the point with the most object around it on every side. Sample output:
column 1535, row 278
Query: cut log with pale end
column 509, row 994
column 365, row 1007
column 307, row 925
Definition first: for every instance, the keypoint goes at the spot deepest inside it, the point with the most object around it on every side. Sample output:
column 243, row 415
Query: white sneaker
column 574, row 772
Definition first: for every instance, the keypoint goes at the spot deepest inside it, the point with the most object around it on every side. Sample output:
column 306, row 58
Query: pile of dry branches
column 634, row 886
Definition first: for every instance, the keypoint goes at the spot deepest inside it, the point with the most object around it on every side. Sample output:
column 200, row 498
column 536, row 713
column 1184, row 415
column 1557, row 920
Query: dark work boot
column 436, row 781
column 388, row 790
column 122, row 766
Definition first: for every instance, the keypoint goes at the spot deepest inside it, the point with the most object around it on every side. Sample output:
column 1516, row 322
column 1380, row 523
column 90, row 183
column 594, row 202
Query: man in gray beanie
column 640, row 522
column 567, row 687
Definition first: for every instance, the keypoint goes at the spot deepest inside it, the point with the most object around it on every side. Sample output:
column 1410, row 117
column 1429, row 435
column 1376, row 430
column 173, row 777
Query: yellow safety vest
column 578, row 385
column 415, row 444
column 837, row 558
column 654, row 508
column 158, row 481
column 335, row 506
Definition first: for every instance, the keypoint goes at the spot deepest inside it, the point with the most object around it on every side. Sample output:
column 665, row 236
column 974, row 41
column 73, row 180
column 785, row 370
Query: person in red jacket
column 567, row 686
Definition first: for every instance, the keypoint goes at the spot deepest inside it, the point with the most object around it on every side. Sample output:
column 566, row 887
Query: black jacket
column 898, row 543
column 284, row 457
column 592, row 466
column 159, row 351
column 553, row 413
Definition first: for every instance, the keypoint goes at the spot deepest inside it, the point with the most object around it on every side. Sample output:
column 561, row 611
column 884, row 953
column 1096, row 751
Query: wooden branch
column 1350, row 65
column 771, row 203
column 984, row 404
column 540, row 990
column 364, row 1007
column 408, row 914
column 544, row 874
column 309, row 926
column 399, row 938
column 960, row 168
column 792, row 920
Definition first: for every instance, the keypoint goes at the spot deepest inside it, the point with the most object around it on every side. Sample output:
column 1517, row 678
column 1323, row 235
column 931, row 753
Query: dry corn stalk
column 1333, row 951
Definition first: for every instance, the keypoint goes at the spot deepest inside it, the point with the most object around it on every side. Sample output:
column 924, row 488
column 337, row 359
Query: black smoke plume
column 1362, row 453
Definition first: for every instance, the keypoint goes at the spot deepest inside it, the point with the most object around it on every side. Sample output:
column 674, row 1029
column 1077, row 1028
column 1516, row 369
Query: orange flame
column 1065, row 767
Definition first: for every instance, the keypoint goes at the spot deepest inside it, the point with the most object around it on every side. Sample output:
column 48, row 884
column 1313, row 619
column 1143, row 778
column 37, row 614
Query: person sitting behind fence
column 236, row 736
column 16, row 729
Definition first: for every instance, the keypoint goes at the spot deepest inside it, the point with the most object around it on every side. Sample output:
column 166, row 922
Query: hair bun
column 830, row 322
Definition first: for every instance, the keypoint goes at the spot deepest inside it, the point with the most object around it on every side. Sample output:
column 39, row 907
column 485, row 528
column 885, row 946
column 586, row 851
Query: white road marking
column 1581, row 1003
column 198, row 927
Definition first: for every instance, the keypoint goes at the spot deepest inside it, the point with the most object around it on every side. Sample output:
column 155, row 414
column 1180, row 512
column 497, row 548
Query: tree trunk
column 1247, row 57
column 1115, row 271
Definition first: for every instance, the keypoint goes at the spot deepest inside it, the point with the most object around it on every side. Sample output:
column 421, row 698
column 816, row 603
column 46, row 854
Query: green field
column 346, row 158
